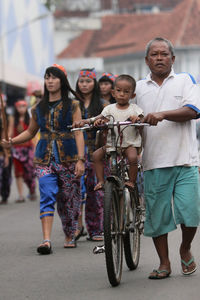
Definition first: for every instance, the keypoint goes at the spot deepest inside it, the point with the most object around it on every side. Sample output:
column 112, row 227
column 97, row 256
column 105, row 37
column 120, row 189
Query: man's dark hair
column 159, row 39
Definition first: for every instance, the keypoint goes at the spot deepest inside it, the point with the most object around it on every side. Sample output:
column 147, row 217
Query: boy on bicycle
column 123, row 92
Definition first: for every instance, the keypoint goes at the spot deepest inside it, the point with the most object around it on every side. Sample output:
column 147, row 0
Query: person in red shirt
column 23, row 154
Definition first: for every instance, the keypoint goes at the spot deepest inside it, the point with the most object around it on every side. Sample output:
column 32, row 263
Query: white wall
column 26, row 40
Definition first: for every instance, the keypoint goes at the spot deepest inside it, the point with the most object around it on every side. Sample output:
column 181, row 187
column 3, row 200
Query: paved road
column 77, row 274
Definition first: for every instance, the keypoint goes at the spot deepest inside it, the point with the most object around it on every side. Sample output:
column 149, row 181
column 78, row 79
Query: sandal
column 45, row 248
column 186, row 266
column 70, row 244
column 81, row 233
column 159, row 274
column 32, row 197
column 95, row 238
column 20, row 200
column 99, row 249
column 99, row 186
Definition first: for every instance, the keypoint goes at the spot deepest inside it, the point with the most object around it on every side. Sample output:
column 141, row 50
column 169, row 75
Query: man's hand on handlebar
column 154, row 118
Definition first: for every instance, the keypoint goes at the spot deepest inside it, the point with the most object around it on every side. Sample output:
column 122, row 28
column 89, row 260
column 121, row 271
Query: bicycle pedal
column 99, row 249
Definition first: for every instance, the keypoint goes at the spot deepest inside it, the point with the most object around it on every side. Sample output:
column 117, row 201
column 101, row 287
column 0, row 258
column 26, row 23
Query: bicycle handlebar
column 110, row 125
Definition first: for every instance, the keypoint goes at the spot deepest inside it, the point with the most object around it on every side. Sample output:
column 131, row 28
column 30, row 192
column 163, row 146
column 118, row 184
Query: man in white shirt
column 170, row 159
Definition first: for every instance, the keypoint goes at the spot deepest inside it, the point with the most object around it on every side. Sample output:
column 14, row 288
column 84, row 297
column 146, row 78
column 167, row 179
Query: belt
column 55, row 135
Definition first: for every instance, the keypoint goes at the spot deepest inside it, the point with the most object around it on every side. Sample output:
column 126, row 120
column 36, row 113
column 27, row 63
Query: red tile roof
column 124, row 34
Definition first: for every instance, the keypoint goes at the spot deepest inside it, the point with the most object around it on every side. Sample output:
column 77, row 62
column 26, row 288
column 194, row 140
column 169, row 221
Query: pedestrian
column 23, row 154
column 106, row 83
column 124, row 90
column 59, row 155
column 91, row 106
column 170, row 158
column 6, row 158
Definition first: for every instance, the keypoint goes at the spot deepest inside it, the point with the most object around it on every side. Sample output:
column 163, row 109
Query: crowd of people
column 71, row 167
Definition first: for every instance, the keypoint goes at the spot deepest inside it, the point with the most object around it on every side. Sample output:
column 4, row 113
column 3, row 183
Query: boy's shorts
column 172, row 197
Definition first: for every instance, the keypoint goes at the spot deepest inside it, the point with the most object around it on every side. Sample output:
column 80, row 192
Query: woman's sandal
column 99, row 186
column 70, row 244
column 95, row 238
column 44, row 248
column 20, row 200
column 81, row 232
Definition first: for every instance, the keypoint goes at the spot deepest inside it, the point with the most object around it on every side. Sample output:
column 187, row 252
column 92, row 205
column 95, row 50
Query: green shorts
column 172, row 197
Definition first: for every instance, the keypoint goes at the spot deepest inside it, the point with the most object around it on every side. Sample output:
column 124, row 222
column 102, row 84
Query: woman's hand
column 80, row 123
column 7, row 144
column 79, row 168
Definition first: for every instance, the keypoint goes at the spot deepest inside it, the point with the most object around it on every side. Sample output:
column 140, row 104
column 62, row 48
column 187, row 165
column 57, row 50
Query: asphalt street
column 78, row 274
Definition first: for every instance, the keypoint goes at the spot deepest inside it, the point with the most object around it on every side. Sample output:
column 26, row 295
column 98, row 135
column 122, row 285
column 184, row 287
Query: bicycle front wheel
column 113, row 234
column 132, row 233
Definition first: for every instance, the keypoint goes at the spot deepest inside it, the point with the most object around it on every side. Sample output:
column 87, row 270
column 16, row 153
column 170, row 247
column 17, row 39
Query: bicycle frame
column 122, row 212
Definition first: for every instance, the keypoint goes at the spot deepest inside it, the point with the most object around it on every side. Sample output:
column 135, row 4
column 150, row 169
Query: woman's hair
column 17, row 116
column 65, row 89
column 107, row 79
column 96, row 106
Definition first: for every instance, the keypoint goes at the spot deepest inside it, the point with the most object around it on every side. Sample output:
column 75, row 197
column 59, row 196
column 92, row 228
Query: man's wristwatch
column 82, row 158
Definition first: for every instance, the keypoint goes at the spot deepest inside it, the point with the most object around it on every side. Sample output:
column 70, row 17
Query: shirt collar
column 171, row 74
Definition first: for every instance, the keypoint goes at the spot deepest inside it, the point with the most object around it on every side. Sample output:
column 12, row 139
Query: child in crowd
column 23, row 154
column 124, row 91
column 106, row 82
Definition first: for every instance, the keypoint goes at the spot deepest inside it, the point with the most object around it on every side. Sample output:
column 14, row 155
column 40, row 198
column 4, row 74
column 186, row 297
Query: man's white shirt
column 169, row 143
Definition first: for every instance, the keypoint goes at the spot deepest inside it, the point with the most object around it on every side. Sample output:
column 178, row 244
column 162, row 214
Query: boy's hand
column 99, row 122
column 134, row 119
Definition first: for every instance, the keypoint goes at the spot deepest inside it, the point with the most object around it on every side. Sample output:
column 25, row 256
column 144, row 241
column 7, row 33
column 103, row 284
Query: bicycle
column 123, row 213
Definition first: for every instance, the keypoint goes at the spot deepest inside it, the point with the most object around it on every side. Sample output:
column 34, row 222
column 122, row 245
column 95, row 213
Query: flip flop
column 99, row 249
column 70, row 244
column 45, row 249
column 81, row 233
column 20, row 200
column 99, row 186
column 95, row 238
column 187, row 264
column 157, row 274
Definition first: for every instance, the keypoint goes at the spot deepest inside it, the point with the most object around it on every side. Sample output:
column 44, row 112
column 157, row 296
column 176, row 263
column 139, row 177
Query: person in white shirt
column 124, row 90
column 170, row 159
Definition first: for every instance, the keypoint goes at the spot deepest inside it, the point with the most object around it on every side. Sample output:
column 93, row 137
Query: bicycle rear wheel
column 112, row 234
column 132, row 233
